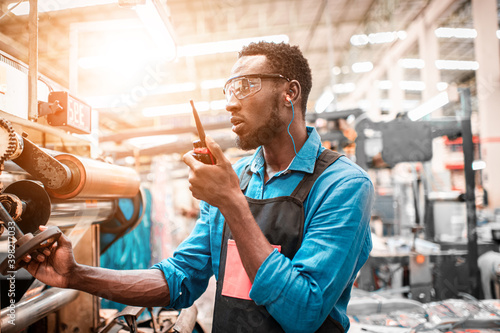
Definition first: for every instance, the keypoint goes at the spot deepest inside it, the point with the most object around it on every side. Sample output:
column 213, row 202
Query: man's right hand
column 56, row 267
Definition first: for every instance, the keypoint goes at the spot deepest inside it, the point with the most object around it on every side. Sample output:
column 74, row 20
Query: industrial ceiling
column 106, row 55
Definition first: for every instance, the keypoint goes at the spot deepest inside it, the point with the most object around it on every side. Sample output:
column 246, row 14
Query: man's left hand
column 215, row 184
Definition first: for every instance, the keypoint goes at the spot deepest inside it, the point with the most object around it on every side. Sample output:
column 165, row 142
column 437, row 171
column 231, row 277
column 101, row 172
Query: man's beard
column 264, row 134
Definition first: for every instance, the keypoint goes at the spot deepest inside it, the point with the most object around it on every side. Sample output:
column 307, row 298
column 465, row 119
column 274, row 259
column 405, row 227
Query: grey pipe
column 30, row 311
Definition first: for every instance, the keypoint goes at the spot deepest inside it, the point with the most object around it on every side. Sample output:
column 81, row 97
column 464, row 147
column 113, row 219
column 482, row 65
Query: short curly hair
column 286, row 60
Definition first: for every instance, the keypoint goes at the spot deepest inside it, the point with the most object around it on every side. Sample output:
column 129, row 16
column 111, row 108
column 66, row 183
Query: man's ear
column 293, row 91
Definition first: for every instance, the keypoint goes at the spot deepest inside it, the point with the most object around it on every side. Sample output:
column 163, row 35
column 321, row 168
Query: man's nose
column 232, row 103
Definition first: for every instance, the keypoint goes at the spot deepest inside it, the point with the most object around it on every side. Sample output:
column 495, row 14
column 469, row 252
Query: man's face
column 256, row 119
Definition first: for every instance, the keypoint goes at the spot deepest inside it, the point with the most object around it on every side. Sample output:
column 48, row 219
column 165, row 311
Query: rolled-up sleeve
column 187, row 272
column 335, row 245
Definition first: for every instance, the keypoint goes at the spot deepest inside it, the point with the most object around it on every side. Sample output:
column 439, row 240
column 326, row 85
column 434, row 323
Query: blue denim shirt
column 302, row 292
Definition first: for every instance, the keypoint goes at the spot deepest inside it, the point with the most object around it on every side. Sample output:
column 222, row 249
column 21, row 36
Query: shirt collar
column 305, row 159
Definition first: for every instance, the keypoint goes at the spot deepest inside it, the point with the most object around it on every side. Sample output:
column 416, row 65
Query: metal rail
column 30, row 311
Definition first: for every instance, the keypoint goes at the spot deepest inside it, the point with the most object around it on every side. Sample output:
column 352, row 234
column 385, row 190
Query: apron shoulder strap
column 324, row 160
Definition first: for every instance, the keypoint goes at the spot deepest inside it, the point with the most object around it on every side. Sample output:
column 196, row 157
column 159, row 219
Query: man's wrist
column 77, row 276
column 232, row 206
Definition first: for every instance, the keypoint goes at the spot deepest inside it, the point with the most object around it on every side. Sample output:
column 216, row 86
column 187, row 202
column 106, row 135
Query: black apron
column 281, row 219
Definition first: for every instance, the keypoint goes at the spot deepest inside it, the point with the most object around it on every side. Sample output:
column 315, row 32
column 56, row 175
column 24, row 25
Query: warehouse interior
column 95, row 117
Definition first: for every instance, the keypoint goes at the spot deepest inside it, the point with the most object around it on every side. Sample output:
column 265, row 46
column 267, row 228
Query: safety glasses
column 247, row 85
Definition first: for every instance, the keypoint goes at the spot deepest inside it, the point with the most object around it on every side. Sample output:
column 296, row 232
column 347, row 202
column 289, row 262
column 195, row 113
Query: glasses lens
column 242, row 87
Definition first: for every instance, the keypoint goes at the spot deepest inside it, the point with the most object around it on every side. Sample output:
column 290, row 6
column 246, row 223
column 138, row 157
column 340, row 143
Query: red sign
column 75, row 116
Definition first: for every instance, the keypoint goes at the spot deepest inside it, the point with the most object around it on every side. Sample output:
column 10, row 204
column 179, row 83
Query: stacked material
column 451, row 315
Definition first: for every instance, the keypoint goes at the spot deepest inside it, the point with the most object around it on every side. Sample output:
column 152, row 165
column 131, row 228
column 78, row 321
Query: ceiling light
column 130, row 160
column 430, row 106
column 407, row 104
column 157, row 29
column 124, row 57
column 324, row 100
column 411, row 63
column 336, row 70
column 234, row 45
column 404, row 85
column 174, row 109
column 385, row 85
column 412, row 85
column 50, row 5
column 134, row 51
column 382, row 37
column 402, row 34
column 457, row 65
column 344, row 88
column 378, row 37
column 362, row 67
column 455, row 33
column 442, row 86
column 358, row 40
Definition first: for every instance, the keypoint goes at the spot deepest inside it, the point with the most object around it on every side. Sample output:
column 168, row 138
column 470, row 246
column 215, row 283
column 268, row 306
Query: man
column 285, row 231
column 489, row 267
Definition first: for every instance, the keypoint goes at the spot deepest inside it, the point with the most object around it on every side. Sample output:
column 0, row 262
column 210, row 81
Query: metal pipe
column 69, row 213
column 67, row 176
column 30, row 311
column 93, row 179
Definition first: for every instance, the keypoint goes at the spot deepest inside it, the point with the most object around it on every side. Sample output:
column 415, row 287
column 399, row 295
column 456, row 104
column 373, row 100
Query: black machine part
column 407, row 142
column 401, row 140
column 27, row 203
column 118, row 224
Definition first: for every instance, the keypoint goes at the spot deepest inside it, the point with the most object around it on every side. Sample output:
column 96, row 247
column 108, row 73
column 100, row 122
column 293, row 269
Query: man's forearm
column 146, row 287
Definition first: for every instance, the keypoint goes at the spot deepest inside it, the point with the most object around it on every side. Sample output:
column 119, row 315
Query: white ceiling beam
column 366, row 82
